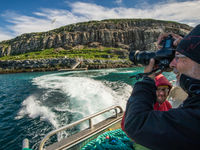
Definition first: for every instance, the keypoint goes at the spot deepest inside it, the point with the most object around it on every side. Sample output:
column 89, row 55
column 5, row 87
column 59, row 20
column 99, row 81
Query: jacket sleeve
column 169, row 106
column 156, row 129
column 140, row 103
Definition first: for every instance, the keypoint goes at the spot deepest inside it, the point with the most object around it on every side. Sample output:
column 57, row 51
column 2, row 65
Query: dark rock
column 123, row 33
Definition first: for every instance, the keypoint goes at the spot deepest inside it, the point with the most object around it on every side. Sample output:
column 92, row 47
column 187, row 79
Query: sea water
column 33, row 104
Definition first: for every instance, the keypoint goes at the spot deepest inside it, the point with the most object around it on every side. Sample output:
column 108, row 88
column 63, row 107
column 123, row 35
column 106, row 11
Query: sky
column 25, row 16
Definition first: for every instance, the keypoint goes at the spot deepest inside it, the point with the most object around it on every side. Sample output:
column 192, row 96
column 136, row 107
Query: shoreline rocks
column 15, row 66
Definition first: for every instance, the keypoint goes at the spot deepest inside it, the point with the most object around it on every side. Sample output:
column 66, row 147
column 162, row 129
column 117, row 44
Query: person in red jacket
column 163, row 88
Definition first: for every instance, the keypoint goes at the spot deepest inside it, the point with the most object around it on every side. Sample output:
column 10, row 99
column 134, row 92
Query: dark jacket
column 165, row 106
column 176, row 129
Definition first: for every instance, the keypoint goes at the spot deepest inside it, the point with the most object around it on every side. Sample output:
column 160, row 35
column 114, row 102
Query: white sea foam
column 81, row 90
column 125, row 72
column 85, row 96
column 88, row 74
column 31, row 107
column 121, row 92
column 80, row 96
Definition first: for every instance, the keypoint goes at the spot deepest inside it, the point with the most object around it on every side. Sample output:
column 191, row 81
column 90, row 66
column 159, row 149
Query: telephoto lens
column 142, row 58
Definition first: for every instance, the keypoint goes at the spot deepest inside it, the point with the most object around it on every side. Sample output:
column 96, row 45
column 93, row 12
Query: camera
column 162, row 57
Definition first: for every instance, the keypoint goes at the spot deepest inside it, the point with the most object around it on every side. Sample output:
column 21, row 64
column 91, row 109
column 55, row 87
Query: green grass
column 87, row 53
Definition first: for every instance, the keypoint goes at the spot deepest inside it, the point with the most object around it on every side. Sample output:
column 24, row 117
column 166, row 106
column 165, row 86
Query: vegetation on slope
column 86, row 53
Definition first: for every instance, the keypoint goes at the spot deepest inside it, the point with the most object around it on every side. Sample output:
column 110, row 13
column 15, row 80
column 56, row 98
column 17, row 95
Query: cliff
column 121, row 35
column 135, row 34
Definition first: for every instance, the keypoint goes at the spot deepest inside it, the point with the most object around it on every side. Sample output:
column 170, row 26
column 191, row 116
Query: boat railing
column 115, row 107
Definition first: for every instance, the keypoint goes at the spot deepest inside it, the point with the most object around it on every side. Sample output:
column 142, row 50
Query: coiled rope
column 111, row 140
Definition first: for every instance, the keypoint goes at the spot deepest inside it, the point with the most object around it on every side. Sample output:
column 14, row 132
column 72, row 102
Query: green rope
column 110, row 140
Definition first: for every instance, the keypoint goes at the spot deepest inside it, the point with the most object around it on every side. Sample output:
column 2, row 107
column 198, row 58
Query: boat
column 78, row 140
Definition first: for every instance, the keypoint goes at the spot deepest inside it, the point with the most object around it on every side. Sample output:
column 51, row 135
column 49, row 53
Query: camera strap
column 141, row 75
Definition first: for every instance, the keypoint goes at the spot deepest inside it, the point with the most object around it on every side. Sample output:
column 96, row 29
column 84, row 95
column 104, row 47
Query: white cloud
column 93, row 11
column 5, row 35
column 47, row 19
column 184, row 12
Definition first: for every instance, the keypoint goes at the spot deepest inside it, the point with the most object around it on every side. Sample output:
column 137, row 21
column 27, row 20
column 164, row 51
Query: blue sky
column 26, row 16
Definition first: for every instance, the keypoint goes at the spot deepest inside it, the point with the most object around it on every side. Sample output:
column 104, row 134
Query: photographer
column 177, row 128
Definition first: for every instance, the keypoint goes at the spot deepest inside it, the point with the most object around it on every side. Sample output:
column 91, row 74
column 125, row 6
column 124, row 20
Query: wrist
column 152, row 76
column 148, row 78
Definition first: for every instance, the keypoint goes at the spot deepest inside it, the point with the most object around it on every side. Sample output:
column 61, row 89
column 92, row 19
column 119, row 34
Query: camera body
column 162, row 57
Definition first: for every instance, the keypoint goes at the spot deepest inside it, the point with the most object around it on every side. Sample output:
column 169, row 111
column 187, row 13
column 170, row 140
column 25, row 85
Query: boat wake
column 63, row 99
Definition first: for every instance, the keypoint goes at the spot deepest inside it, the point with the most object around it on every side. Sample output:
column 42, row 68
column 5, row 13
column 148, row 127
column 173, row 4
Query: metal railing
column 78, row 122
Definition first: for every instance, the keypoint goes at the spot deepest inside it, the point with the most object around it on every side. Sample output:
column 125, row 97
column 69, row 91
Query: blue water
column 33, row 104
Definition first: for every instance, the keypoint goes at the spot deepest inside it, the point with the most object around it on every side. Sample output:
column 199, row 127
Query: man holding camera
column 177, row 128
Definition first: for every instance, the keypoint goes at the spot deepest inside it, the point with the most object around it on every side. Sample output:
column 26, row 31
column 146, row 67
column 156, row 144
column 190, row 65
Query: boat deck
column 71, row 142
column 78, row 140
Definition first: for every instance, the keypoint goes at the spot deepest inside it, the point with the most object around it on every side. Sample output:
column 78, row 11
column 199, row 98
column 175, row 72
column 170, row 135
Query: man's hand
column 149, row 68
column 177, row 39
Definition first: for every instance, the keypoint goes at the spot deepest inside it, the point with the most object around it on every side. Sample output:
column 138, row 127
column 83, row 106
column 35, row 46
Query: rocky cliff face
column 135, row 34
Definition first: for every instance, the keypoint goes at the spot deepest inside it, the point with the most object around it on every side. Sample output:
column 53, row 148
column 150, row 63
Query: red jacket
column 165, row 106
